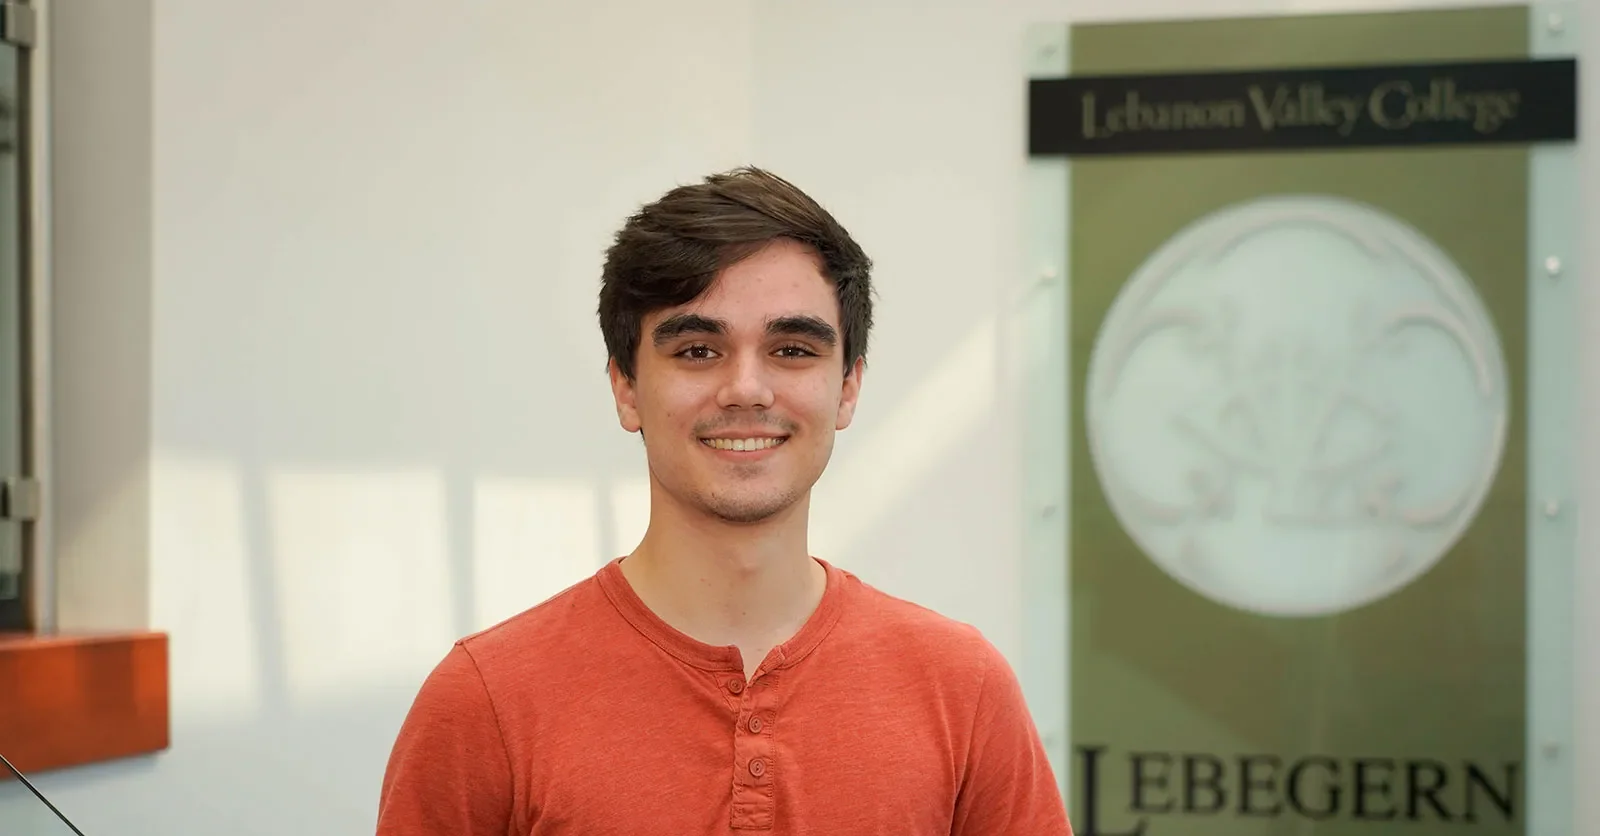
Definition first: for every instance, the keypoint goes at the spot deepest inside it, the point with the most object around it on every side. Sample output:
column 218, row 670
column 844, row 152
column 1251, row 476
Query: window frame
column 21, row 493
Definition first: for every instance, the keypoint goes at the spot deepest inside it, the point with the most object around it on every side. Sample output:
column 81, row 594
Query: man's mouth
column 743, row 445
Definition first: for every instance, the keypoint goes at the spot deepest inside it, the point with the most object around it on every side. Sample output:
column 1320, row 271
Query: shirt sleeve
column 1009, row 787
column 449, row 771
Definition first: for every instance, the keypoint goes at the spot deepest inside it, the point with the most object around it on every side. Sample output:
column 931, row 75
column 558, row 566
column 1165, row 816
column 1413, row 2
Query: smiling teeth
column 742, row 445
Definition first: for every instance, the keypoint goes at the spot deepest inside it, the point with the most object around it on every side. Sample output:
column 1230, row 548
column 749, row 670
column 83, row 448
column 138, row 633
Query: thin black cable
column 35, row 790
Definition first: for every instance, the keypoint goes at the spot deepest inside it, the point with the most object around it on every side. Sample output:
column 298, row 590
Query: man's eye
column 796, row 351
column 697, row 352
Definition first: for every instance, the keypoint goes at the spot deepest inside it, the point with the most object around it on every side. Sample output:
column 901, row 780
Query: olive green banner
column 1298, row 447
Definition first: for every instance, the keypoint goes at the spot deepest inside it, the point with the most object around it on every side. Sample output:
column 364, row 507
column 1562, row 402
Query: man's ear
column 850, row 393
column 622, row 392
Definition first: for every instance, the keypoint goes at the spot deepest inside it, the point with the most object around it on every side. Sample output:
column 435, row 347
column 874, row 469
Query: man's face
column 738, row 393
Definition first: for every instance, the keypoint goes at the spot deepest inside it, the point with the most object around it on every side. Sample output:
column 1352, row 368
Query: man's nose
column 747, row 385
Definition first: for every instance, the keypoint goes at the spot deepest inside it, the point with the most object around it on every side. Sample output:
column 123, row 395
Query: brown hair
column 670, row 251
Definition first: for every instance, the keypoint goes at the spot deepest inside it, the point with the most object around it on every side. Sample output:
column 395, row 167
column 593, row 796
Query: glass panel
column 1038, row 324
column 1319, row 408
column 13, row 612
column 1553, row 328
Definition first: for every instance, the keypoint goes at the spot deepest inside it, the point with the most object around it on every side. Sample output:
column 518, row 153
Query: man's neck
column 752, row 586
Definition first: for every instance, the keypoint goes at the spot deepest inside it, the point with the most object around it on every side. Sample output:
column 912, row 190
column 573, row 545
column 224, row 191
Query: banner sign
column 1298, row 352
column 1349, row 107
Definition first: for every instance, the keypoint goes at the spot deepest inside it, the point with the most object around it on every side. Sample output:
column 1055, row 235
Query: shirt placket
column 754, row 778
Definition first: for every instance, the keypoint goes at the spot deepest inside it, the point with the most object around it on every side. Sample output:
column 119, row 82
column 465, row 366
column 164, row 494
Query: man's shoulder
column 919, row 634
column 546, row 634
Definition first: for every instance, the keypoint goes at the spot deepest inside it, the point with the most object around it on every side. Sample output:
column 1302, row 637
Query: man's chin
column 750, row 511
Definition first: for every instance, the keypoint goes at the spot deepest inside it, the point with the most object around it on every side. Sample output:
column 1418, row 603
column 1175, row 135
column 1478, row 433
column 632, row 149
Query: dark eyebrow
column 809, row 327
column 676, row 326
column 803, row 326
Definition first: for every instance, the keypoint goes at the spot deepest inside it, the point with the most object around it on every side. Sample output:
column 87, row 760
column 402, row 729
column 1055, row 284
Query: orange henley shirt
column 590, row 715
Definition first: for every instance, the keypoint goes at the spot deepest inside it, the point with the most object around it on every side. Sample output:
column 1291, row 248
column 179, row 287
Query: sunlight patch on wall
column 200, row 587
column 364, row 580
column 533, row 538
column 630, row 513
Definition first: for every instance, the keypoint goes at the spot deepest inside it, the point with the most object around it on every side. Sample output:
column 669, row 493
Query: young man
column 721, row 679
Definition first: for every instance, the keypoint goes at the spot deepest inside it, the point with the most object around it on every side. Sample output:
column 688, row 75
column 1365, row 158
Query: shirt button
column 736, row 685
column 755, row 725
column 758, row 767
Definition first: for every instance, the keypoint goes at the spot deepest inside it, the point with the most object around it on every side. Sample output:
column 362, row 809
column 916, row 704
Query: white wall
column 374, row 380
column 100, row 287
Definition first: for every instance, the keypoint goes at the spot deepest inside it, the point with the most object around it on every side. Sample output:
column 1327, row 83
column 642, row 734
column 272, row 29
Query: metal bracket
column 19, row 499
column 18, row 23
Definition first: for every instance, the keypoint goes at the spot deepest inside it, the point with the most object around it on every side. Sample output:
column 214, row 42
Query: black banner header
column 1340, row 107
